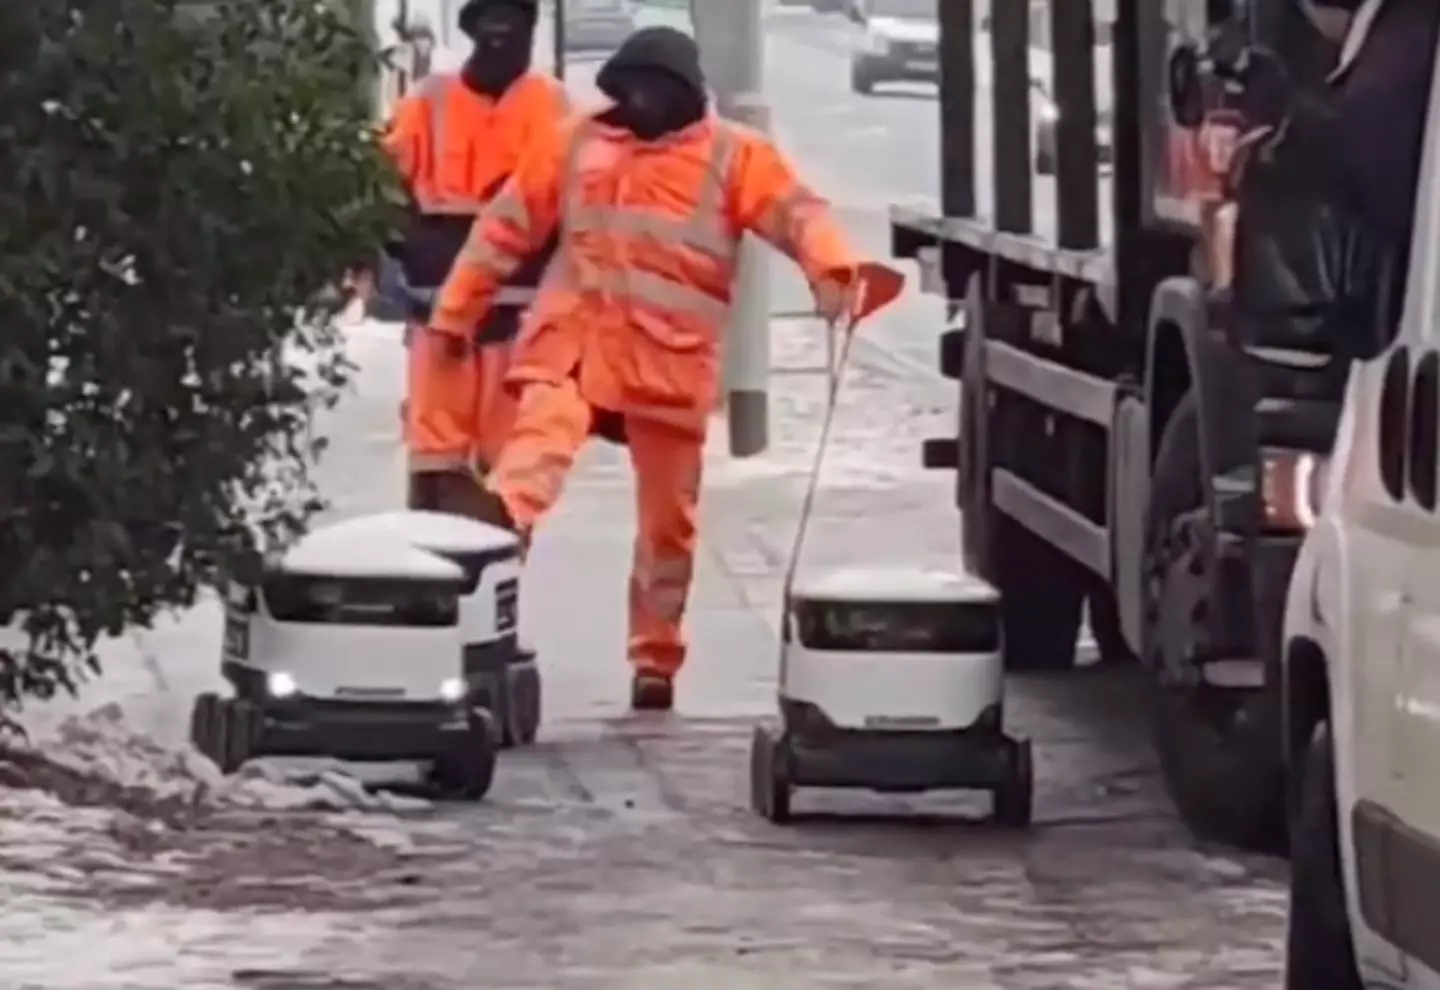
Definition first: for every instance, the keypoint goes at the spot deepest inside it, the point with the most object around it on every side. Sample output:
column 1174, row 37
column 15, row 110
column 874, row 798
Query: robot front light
column 452, row 689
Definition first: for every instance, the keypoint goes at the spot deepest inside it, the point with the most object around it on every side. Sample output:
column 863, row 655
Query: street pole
column 731, row 37
column 557, row 35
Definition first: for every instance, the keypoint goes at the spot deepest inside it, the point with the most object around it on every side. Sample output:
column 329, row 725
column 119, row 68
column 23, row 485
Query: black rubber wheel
column 1319, row 951
column 861, row 81
column 204, row 725
column 1014, row 800
column 1042, row 594
column 465, row 769
column 1219, row 748
column 235, row 733
column 522, row 708
column 770, row 786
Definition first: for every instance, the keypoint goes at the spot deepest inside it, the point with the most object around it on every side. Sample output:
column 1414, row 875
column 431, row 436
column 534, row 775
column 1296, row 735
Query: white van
column 1362, row 676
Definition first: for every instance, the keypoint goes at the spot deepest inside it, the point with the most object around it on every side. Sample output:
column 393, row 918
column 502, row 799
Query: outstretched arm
column 769, row 199
column 515, row 225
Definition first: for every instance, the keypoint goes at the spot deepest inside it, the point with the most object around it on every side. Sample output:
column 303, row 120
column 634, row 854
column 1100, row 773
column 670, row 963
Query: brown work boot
column 459, row 493
column 652, row 691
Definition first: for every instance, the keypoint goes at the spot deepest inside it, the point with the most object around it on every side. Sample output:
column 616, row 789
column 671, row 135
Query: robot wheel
column 1014, row 798
column 465, row 768
column 227, row 731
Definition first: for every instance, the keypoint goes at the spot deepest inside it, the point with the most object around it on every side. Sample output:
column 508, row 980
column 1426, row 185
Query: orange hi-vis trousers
column 458, row 414
column 552, row 425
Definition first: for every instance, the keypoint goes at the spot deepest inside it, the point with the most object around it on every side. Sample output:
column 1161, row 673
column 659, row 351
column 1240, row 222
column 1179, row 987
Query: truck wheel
column 1219, row 748
column 1042, row 593
column 1319, row 952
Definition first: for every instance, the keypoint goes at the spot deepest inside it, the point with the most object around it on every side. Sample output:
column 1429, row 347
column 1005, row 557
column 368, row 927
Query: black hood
column 661, row 48
column 472, row 9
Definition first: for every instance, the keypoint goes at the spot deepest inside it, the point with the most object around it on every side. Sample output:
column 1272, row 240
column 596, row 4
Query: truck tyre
column 1319, row 952
column 1219, row 748
column 1042, row 594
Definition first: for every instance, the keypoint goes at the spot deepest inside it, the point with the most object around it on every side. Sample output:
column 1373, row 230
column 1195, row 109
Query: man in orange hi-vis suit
column 651, row 197
column 457, row 138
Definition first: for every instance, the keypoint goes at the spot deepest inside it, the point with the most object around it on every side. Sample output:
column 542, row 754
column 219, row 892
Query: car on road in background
column 899, row 42
column 597, row 25
column 1045, row 109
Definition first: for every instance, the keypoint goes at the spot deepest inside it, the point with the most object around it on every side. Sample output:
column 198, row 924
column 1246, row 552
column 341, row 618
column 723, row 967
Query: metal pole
column 730, row 34
column 557, row 35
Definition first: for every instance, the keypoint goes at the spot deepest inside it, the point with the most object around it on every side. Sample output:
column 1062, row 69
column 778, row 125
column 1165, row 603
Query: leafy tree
column 182, row 187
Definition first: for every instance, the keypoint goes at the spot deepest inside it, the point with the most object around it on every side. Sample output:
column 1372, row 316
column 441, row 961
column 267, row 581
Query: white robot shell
column 490, row 556
column 348, row 659
column 435, row 531
column 334, row 553
column 891, row 679
column 881, row 659
column 502, row 672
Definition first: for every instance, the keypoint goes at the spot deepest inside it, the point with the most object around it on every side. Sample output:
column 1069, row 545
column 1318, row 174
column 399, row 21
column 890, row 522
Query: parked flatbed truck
column 1123, row 441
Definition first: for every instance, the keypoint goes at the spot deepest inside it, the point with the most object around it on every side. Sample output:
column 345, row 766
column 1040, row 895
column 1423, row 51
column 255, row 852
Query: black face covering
column 651, row 103
column 504, row 36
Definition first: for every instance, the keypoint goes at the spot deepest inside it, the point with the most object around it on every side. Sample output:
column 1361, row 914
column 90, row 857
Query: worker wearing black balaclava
column 502, row 33
column 656, row 83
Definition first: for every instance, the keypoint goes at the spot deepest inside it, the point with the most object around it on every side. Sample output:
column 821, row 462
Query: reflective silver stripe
column 705, row 230
column 651, row 289
column 420, row 462
column 632, row 222
column 511, row 295
column 480, row 253
column 663, row 585
column 510, row 207
column 449, row 206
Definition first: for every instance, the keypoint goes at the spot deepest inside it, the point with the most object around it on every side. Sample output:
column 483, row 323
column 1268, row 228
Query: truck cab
column 1362, row 662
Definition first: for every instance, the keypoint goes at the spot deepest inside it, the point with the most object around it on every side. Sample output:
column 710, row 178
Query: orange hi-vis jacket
column 637, row 299
column 457, row 148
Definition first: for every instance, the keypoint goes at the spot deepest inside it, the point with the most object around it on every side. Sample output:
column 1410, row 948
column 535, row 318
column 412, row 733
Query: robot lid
column 330, row 553
column 438, row 531
column 893, row 584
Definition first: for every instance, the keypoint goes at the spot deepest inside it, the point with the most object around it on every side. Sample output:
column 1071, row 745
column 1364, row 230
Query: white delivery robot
column 351, row 648
column 891, row 680
column 502, row 676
